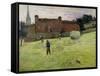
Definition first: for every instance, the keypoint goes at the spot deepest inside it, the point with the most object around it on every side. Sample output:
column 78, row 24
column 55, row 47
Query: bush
column 75, row 35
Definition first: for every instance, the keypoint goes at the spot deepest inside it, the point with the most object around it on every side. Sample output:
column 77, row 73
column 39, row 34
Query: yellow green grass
column 64, row 54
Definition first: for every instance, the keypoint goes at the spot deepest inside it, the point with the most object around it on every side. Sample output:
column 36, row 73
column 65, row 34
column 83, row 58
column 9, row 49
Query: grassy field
column 65, row 53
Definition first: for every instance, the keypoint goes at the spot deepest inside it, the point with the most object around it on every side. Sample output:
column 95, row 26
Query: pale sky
column 67, row 13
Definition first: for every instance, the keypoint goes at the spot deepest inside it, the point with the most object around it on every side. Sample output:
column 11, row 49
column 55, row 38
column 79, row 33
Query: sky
column 67, row 13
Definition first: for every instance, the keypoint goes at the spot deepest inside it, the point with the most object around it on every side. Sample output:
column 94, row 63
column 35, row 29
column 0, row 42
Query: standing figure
column 48, row 51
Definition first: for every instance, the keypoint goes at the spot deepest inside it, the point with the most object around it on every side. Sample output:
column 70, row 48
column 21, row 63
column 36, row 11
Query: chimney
column 59, row 18
column 36, row 18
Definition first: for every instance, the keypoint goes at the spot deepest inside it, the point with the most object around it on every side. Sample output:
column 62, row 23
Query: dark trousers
column 48, row 50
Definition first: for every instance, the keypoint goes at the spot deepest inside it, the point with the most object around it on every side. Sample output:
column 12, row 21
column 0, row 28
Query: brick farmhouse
column 49, row 28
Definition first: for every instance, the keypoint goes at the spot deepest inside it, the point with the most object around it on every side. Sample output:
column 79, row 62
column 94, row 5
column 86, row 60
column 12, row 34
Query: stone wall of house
column 68, row 27
column 55, row 25
column 48, row 26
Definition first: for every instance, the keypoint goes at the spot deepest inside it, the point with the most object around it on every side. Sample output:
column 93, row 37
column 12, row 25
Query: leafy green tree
column 83, row 20
column 80, row 22
column 86, row 18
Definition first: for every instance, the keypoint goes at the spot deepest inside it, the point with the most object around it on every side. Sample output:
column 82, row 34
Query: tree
column 22, row 31
column 83, row 20
column 80, row 22
column 86, row 18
